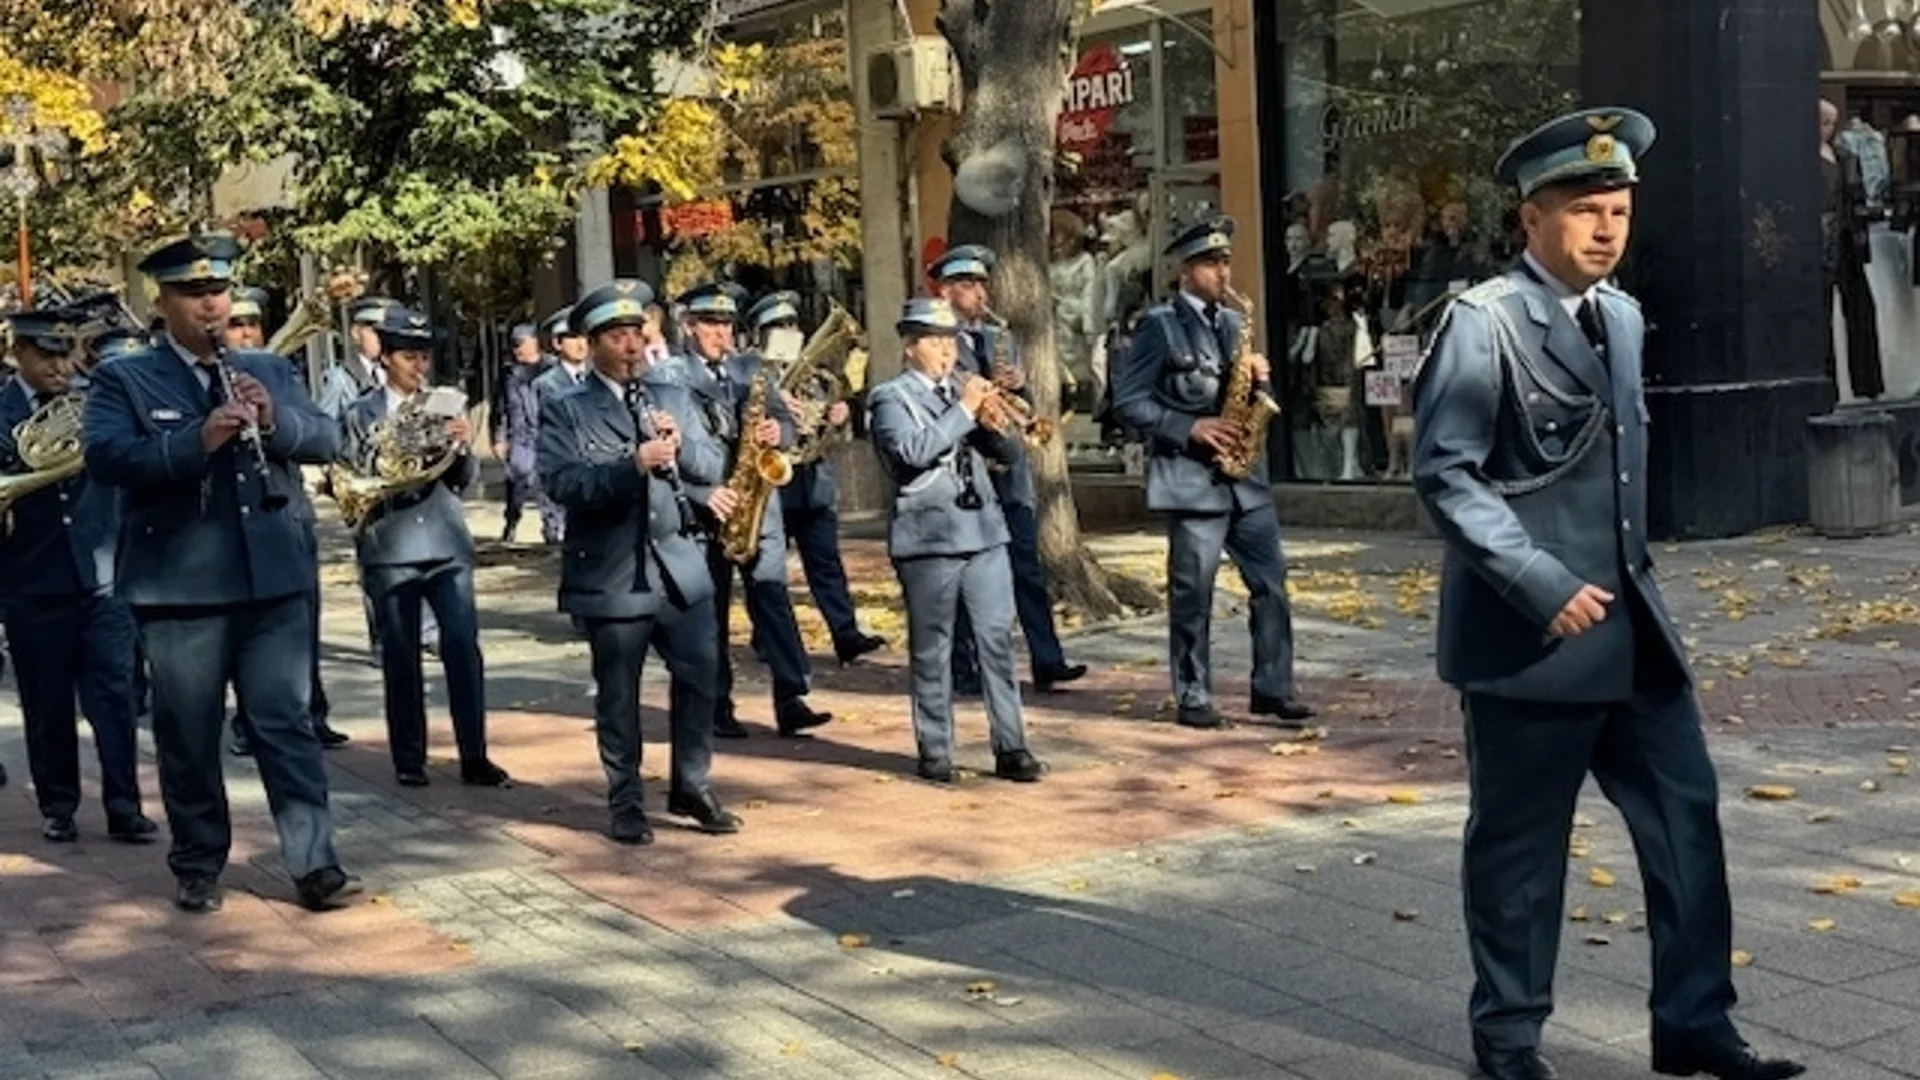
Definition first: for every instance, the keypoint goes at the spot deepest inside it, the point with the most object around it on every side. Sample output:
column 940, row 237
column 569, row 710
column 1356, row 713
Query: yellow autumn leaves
column 59, row 101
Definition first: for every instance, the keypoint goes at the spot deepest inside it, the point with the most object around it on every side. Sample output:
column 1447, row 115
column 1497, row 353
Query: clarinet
column 223, row 374
column 969, row 497
column 670, row 472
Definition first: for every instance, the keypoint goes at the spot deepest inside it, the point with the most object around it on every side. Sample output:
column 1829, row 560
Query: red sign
column 1101, row 85
column 695, row 219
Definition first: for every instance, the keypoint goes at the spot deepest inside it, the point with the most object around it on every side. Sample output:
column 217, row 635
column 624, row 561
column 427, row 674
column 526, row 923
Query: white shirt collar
column 395, row 400
column 926, row 380
column 1199, row 305
column 193, row 363
column 1569, row 299
column 576, row 372
column 370, row 370
column 618, row 391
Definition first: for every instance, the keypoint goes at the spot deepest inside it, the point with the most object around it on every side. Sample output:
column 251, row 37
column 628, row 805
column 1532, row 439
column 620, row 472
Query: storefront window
column 1141, row 129
column 1395, row 114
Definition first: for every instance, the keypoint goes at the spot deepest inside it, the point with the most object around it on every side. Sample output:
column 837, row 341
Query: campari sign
column 1102, row 85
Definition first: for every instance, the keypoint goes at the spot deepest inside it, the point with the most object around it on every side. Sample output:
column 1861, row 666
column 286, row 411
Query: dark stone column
column 1726, row 248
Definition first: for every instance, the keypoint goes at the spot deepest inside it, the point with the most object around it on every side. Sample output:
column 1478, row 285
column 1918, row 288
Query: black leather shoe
column 795, row 716
column 329, row 738
column 631, row 827
column 728, row 726
column 1018, row 766
column 857, row 646
column 485, row 774
column 1526, row 1064
column 237, row 743
column 135, row 828
column 1728, row 1061
column 198, row 895
column 410, row 777
column 1045, row 681
column 1286, row 710
column 323, row 889
column 935, row 770
column 1201, row 717
column 704, row 807
column 60, row 829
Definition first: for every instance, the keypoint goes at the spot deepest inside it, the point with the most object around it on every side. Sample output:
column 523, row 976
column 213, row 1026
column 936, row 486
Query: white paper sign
column 1402, row 354
column 1383, row 389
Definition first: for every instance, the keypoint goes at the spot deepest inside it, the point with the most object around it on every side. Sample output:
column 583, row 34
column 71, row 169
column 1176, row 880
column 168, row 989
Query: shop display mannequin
column 1127, row 278
column 1340, row 343
column 1845, row 249
column 1072, row 276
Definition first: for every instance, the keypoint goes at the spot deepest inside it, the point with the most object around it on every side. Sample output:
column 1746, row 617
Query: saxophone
column 48, row 443
column 405, row 452
column 757, row 472
column 1246, row 406
column 819, row 381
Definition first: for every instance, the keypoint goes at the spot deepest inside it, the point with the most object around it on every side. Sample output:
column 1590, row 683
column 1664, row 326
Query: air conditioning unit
column 910, row 77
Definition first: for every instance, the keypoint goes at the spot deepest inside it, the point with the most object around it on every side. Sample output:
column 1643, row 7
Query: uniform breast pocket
column 1556, row 428
column 1192, row 388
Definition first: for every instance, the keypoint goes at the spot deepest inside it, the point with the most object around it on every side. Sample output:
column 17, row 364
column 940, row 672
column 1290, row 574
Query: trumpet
column 1007, row 414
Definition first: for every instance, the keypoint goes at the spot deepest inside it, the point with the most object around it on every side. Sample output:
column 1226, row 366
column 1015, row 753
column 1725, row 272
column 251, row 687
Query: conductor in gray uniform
column 1170, row 391
column 1531, row 459
column 414, row 550
column 217, row 565
column 947, row 537
column 642, row 485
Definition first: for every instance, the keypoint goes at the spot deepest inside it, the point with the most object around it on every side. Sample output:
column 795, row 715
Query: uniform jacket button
column 1553, row 425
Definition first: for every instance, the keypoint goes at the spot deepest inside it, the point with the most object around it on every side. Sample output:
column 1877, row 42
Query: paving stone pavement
column 1162, row 906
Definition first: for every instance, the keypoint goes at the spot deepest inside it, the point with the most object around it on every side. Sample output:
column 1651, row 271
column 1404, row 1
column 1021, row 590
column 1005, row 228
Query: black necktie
column 1591, row 325
column 1212, row 313
column 41, row 398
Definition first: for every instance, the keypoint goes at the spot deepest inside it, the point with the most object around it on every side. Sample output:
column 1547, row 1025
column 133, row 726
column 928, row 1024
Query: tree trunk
column 1014, row 58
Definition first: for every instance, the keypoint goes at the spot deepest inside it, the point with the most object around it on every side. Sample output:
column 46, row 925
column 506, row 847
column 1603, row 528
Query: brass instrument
column 1005, row 411
column 314, row 314
column 48, row 443
column 1246, row 406
column 757, row 472
column 819, row 380
column 404, row 452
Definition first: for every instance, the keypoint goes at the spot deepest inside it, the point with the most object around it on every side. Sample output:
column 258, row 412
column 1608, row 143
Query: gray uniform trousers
column 937, row 588
column 1251, row 538
column 619, row 648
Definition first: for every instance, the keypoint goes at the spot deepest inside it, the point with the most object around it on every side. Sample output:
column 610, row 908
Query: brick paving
column 1218, row 905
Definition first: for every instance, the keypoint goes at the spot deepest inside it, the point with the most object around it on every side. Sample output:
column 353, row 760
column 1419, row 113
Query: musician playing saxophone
column 722, row 384
column 219, row 573
column 987, row 349
column 1169, row 392
column 415, row 551
column 809, row 506
column 69, row 635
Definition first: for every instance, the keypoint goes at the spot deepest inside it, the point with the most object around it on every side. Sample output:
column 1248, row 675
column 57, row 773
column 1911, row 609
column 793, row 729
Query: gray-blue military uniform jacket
column 195, row 528
column 1177, row 374
column 426, row 524
column 720, row 415
column 625, row 555
column 1013, row 479
column 63, row 537
column 930, row 451
column 1531, row 458
column 554, row 379
column 343, row 383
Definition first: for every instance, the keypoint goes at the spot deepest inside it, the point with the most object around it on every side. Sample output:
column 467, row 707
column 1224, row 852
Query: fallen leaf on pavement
column 1578, row 914
column 1406, row 915
column 1870, row 786
column 1601, row 879
column 1294, row 749
column 793, row 1048
column 981, row 987
column 1821, row 817
column 947, row 1061
column 1821, row 926
column 1742, row 958
column 1907, row 899
column 855, row 941
column 1598, row 939
column 1772, row 792
column 1077, row 885
column 1614, row 918
column 1403, row 798
column 1836, row 885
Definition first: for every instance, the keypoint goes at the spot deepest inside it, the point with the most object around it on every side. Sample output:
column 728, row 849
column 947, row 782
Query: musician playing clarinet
column 205, row 446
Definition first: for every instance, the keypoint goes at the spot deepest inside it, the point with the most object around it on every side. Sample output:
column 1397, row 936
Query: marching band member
column 721, row 383
column 66, row 630
column 1168, row 391
column 346, row 379
column 570, row 366
column 961, row 278
column 632, row 465
column 416, row 550
column 219, row 571
column 948, row 539
column 809, row 506
column 246, row 326
column 516, row 435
